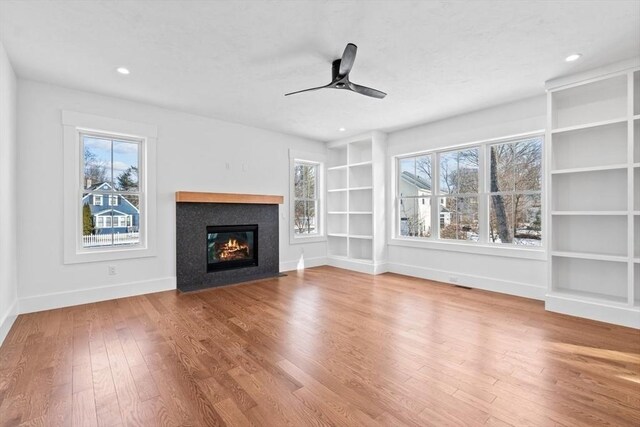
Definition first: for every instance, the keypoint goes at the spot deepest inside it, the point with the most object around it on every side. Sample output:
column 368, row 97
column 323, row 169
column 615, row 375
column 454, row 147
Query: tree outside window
column 305, row 198
column 515, row 183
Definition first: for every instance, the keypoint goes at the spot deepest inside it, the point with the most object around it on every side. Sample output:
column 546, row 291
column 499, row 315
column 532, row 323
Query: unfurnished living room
column 319, row 213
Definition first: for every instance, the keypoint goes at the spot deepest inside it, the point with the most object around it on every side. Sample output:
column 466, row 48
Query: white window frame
column 97, row 197
column 113, row 200
column 483, row 246
column 74, row 124
column 318, row 160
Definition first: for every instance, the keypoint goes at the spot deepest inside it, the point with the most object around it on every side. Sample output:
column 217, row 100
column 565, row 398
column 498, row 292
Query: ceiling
column 235, row 60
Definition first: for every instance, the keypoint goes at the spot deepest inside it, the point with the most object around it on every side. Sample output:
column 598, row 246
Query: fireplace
column 231, row 246
column 231, row 221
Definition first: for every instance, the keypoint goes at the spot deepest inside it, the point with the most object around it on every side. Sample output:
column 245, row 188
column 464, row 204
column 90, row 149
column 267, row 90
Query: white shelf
column 337, row 235
column 588, row 213
column 360, row 188
column 600, row 280
column 360, row 213
column 336, row 190
column 604, row 189
column 589, row 125
column 355, row 165
column 597, row 235
column 595, row 257
column 335, row 168
column 590, row 169
column 590, row 297
column 360, row 236
column 598, row 101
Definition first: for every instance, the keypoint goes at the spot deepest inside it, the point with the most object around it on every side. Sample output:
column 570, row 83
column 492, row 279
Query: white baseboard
column 303, row 263
column 85, row 296
column 7, row 320
column 618, row 315
column 486, row 283
column 359, row 266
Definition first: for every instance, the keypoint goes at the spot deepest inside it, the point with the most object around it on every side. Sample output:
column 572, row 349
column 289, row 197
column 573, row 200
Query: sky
column 125, row 153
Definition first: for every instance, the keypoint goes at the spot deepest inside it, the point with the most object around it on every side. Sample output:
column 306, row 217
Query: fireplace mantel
column 197, row 197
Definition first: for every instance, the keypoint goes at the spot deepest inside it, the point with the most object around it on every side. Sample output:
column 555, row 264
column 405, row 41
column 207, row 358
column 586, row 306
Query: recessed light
column 342, row 129
column 123, row 70
column 573, row 57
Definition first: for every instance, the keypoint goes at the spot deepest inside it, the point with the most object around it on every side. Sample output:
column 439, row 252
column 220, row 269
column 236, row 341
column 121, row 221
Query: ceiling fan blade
column 305, row 90
column 348, row 57
column 375, row 93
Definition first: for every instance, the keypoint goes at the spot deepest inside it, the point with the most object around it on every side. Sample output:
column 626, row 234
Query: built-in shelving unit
column 593, row 183
column 355, row 203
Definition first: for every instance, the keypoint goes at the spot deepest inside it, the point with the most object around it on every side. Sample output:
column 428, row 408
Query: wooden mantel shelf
column 258, row 199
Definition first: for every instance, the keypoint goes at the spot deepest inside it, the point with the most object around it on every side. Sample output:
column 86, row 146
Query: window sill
column 307, row 239
column 108, row 255
column 472, row 248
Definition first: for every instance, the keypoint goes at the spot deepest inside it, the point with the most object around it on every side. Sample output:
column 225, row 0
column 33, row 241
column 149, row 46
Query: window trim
column 74, row 124
column 483, row 246
column 318, row 160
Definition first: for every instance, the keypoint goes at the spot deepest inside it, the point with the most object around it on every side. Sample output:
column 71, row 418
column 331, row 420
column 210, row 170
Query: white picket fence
column 108, row 239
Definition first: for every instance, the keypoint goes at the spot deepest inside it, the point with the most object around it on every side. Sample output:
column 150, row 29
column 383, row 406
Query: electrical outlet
column 453, row 279
column 112, row 270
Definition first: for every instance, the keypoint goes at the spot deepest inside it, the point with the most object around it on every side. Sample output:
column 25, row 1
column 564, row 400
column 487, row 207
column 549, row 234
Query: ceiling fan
column 340, row 76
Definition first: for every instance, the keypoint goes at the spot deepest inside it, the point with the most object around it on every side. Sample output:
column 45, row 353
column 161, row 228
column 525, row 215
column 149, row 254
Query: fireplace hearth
column 231, row 246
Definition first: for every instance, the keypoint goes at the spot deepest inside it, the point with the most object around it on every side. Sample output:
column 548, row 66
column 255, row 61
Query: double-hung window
column 515, row 177
column 306, row 201
column 109, row 188
column 458, row 185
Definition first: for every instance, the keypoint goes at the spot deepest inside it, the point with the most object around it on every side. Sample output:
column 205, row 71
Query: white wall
column 192, row 153
column 8, row 199
column 525, row 277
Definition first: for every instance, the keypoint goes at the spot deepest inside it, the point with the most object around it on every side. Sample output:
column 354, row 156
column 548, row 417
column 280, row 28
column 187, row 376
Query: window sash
column 114, row 221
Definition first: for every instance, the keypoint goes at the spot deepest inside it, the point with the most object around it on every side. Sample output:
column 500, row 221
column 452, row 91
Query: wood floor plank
column 320, row 347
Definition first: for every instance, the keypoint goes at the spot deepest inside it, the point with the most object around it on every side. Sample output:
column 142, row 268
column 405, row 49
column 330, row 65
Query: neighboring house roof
column 415, row 180
column 105, row 186
column 109, row 211
column 125, row 207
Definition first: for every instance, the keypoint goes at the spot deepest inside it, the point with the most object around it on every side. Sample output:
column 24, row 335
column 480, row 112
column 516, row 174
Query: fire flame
column 230, row 249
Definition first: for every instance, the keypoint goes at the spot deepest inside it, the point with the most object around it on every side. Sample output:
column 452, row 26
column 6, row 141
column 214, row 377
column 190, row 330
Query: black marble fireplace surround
column 192, row 220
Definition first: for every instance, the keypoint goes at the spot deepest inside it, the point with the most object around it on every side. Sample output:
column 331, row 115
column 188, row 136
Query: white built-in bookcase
column 593, row 167
column 355, row 202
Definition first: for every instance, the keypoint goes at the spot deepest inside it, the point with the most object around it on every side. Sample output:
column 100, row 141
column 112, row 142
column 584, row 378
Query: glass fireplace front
column 231, row 246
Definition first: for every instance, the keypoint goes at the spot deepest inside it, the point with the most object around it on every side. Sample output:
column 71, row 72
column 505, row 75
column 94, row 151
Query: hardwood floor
column 323, row 347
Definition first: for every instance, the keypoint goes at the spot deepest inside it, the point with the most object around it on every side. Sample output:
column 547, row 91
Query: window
column 414, row 190
column 514, row 185
column 306, row 200
column 110, row 168
column 110, row 161
column 458, row 210
column 488, row 193
column 306, row 211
